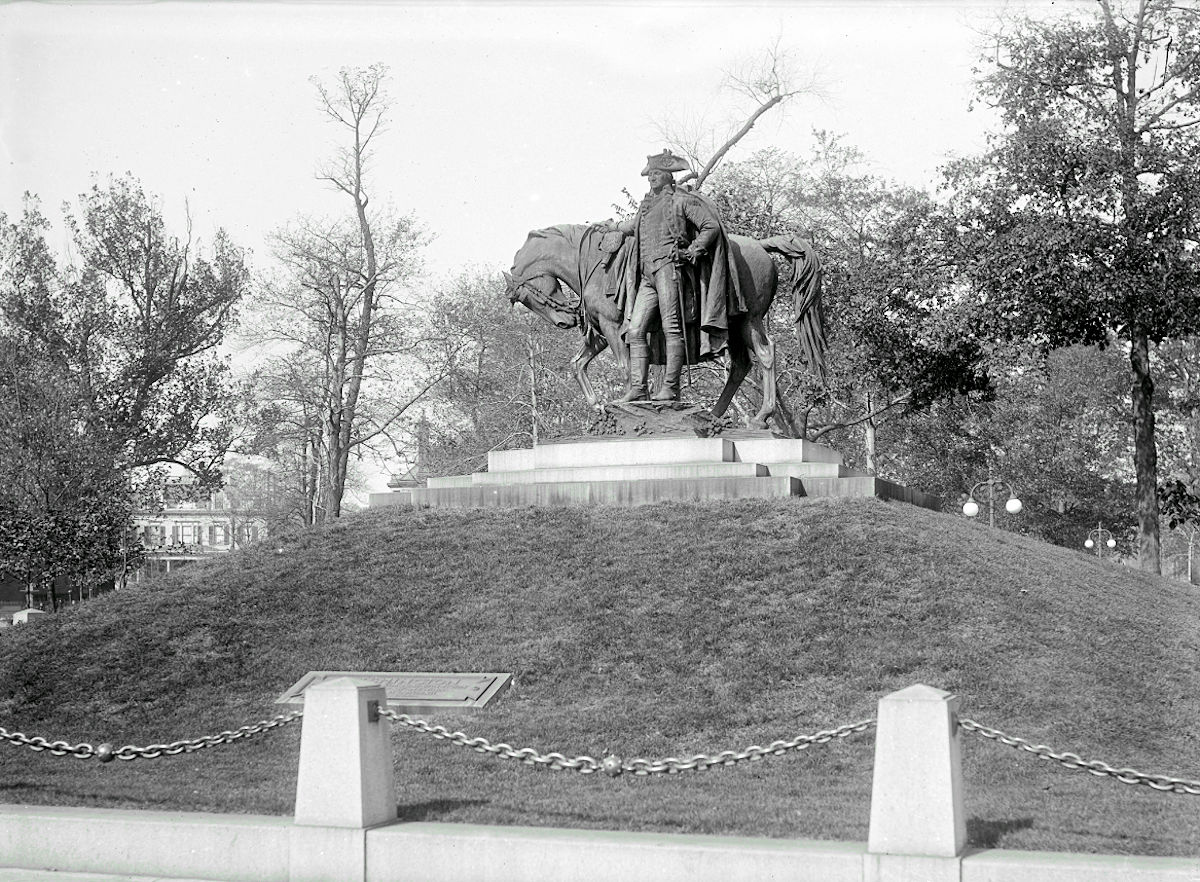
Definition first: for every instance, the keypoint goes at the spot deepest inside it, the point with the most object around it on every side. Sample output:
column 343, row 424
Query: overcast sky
column 506, row 117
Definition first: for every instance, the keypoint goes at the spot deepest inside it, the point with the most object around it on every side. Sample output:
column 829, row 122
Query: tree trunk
column 871, row 431
column 1145, row 454
column 309, row 477
column 784, row 417
column 533, row 400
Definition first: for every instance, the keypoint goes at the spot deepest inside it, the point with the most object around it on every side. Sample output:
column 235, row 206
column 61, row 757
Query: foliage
column 1079, row 223
column 1055, row 432
column 64, row 503
column 108, row 368
column 895, row 335
column 509, row 385
column 1180, row 503
column 134, row 322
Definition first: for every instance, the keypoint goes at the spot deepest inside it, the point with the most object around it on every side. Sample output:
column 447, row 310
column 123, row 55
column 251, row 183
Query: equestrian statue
column 669, row 286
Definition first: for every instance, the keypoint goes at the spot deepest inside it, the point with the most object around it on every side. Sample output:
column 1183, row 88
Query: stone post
column 918, row 827
column 346, row 781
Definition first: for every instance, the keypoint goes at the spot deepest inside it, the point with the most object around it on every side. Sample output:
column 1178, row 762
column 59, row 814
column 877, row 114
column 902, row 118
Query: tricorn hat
column 665, row 161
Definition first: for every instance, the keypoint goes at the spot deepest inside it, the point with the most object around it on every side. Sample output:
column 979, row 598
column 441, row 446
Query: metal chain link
column 1094, row 767
column 38, row 743
column 107, row 753
column 613, row 765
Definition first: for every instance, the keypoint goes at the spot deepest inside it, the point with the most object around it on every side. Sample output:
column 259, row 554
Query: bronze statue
column 678, row 278
column 733, row 281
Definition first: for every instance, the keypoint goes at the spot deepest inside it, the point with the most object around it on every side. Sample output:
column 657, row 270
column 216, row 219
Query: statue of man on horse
column 679, row 283
column 670, row 286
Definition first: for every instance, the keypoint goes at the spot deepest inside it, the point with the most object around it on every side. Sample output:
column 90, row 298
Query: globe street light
column 1094, row 537
column 1012, row 506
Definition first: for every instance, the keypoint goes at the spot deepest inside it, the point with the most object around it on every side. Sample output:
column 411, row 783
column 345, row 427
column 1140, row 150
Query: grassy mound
column 659, row 631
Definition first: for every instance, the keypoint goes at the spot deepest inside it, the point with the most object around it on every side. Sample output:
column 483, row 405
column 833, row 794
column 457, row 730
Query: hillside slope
column 664, row 630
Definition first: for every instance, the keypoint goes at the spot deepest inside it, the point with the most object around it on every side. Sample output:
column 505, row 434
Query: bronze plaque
column 419, row 690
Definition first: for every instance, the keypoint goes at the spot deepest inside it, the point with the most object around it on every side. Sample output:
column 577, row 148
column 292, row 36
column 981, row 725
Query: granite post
column 346, row 780
column 918, row 827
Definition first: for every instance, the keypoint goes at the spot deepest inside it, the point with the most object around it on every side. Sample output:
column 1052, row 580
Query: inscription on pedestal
column 409, row 690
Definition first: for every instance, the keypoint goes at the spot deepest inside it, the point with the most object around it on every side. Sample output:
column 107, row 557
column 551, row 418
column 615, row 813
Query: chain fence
column 614, row 765
column 1094, row 767
column 586, row 765
column 106, row 753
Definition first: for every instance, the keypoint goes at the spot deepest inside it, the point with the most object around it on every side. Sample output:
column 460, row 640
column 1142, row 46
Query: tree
column 769, row 80
column 108, row 366
column 895, row 340
column 1056, row 431
column 134, row 322
column 256, row 493
column 509, row 383
column 64, row 502
column 354, row 359
column 1079, row 223
column 286, row 423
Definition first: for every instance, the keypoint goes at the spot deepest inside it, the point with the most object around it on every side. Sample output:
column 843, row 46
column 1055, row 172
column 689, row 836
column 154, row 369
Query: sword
column 687, row 358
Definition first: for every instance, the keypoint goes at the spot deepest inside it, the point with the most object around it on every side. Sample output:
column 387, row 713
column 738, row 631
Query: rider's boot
column 670, row 386
column 639, row 367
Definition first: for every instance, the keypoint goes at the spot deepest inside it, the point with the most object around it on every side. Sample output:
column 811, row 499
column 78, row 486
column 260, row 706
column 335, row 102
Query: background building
column 189, row 526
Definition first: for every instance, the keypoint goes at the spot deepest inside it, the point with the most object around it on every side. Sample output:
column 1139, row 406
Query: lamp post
column 1094, row 537
column 1012, row 506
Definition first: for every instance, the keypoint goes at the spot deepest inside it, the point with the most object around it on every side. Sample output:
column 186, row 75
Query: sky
column 505, row 117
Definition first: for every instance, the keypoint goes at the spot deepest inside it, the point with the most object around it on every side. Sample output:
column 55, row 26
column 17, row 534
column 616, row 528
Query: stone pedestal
column 640, row 469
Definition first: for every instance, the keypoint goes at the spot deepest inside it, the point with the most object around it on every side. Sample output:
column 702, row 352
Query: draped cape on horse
column 578, row 257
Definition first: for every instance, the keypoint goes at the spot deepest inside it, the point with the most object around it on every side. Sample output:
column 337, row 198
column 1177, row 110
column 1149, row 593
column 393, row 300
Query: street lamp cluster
column 1094, row 537
column 1012, row 506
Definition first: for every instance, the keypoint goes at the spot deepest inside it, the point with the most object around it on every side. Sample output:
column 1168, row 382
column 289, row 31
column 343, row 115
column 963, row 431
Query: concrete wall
column 344, row 828
column 251, row 848
column 196, row 845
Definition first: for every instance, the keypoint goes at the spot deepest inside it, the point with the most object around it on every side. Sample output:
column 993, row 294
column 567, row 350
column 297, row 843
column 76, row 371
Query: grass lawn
column 665, row 630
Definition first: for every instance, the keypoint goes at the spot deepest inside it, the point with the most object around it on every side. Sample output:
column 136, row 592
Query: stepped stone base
column 639, row 470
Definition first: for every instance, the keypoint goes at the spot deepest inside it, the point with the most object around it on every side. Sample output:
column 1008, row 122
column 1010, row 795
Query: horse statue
column 579, row 257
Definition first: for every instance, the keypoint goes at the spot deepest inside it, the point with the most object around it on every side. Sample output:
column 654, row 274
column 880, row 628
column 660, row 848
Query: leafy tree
column 1178, row 368
column 134, row 322
column 1078, row 225
column 1056, row 431
column 508, row 385
column 64, row 503
column 895, row 339
column 108, row 367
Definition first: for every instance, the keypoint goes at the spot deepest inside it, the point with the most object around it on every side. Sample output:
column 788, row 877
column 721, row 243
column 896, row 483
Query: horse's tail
column 807, row 309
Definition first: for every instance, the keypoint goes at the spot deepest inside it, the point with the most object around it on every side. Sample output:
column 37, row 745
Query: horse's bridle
column 525, row 287
column 522, row 287
column 577, row 306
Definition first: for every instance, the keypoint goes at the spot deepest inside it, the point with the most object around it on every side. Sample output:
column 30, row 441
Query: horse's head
column 543, row 294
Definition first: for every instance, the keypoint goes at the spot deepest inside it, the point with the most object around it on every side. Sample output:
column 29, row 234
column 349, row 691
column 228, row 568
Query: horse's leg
column 739, row 366
column 764, row 354
column 612, row 334
column 593, row 345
